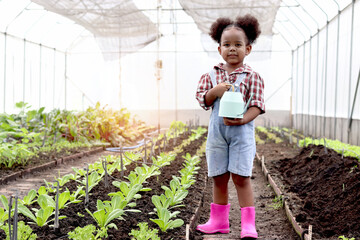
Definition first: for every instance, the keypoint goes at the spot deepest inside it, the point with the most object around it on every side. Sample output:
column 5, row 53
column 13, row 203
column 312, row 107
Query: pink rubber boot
column 248, row 229
column 219, row 220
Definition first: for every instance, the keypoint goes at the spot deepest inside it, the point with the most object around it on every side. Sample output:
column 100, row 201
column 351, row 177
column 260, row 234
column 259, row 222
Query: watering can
column 232, row 104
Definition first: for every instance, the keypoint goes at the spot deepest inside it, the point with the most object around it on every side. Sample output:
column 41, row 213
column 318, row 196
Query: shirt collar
column 244, row 68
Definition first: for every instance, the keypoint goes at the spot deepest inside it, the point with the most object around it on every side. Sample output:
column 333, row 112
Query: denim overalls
column 229, row 148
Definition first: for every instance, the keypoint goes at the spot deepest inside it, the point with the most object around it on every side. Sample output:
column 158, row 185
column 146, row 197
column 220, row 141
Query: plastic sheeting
column 205, row 13
column 118, row 25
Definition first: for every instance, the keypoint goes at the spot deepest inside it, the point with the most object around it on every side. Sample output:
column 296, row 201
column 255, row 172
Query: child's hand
column 234, row 121
column 219, row 89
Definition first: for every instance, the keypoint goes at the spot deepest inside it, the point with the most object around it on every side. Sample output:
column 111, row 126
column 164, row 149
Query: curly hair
column 248, row 23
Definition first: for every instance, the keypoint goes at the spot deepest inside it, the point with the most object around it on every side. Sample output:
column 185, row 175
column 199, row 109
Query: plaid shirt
column 252, row 82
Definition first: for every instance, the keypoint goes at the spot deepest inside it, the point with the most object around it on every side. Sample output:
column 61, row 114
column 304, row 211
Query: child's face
column 233, row 46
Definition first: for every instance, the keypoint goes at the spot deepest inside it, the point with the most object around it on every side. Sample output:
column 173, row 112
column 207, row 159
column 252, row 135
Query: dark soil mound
column 329, row 188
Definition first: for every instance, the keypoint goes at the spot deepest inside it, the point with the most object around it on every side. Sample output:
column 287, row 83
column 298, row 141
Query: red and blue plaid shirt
column 252, row 83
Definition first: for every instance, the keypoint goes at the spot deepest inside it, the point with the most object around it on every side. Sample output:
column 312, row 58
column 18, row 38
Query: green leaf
column 63, row 198
column 160, row 223
column 25, row 211
column 114, row 214
column 4, row 202
column 100, row 204
column 100, row 217
column 176, row 223
column 28, row 199
column 42, row 190
column 43, row 201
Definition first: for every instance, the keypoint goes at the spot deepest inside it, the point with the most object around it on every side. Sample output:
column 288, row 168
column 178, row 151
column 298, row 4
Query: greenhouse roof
column 129, row 25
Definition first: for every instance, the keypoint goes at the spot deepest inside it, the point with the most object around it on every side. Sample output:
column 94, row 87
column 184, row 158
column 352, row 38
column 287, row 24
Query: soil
column 144, row 204
column 321, row 187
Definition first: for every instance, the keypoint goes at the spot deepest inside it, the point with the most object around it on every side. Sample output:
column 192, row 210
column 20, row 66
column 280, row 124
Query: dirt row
column 321, row 187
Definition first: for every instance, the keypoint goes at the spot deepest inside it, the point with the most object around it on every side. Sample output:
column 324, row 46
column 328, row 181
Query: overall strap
column 212, row 77
column 239, row 80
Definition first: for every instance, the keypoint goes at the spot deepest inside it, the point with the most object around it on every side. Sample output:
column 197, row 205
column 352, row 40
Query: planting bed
column 43, row 158
column 73, row 211
column 322, row 188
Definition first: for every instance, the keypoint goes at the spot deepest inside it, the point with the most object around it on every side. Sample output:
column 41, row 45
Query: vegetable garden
column 134, row 167
column 155, row 189
column 319, row 180
column 104, row 199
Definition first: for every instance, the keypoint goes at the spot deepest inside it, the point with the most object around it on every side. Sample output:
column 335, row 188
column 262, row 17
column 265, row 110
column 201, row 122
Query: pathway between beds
column 271, row 224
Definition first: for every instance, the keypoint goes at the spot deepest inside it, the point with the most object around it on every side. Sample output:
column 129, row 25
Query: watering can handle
column 232, row 86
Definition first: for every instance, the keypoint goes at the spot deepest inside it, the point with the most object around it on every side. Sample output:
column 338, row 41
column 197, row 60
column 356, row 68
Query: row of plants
column 173, row 195
column 312, row 167
column 25, row 134
column 269, row 135
column 105, row 211
column 345, row 149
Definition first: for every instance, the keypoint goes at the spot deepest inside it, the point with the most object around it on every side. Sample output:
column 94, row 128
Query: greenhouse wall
column 325, row 77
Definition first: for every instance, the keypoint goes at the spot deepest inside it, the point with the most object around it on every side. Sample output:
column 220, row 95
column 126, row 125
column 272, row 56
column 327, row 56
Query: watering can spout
column 247, row 104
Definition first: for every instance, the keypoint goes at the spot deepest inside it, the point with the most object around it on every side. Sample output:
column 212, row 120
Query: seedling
column 278, row 203
column 144, row 233
column 345, row 238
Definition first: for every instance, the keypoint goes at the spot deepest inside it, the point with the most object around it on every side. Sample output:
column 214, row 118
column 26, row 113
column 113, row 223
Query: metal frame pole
column 325, row 70
column 5, row 58
column 337, row 66
column 303, row 91
column 40, row 73
column 317, row 82
column 54, row 77
column 309, row 93
column 24, row 70
column 297, row 85
column 311, row 37
column 350, row 67
column 297, row 78
column 65, row 79
column 292, row 89
column 158, row 59
column 354, row 102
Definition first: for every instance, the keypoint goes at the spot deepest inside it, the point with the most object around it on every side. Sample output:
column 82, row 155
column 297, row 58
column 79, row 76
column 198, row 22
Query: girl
column 230, row 148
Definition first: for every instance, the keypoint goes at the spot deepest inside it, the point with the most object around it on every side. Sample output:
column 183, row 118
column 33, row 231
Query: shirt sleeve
column 257, row 88
column 204, row 86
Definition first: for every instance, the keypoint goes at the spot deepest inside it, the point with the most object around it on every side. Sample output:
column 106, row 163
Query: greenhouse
column 178, row 119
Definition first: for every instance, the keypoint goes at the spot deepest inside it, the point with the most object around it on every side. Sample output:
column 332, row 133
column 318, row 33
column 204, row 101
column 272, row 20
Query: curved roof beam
column 338, row 6
column 283, row 36
column 307, row 13
column 327, row 16
column 21, row 12
column 296, row 15
column 32, row 25
column 294, row 26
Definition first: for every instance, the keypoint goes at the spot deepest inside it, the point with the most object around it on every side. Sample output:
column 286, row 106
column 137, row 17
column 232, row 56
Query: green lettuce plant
column 164, row 215
column 175, row 193
column 164, row 219
column 24, row 232
column 29, row 198
column 4, row 212
column 42, row 215
column 144, row 233
column 87, row 233
column 103, row 217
